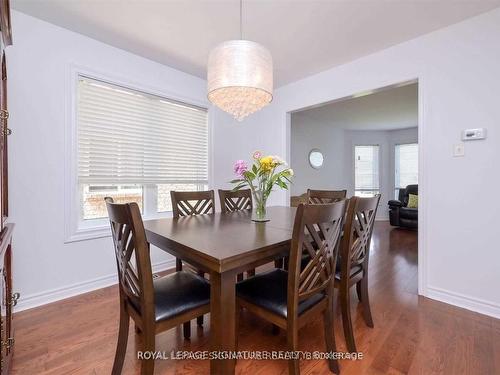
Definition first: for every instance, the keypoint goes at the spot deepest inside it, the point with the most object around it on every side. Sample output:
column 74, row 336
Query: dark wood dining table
column 224, row 245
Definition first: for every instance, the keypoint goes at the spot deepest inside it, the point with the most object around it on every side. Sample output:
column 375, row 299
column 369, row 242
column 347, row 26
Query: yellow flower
column 267, row 163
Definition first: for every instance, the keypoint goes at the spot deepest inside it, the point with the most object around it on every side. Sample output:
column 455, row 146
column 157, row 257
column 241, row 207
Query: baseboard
column 466, row 302
column 40, row 299
column 382, row 218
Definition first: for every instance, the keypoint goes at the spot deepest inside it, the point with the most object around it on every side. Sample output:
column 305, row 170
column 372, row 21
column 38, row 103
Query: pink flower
column 240, row 167
column 257, row 155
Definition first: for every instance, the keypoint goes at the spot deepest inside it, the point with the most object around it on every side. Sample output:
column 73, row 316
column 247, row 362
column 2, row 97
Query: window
column 366, row 170
column 406, row 166
column 135, row 147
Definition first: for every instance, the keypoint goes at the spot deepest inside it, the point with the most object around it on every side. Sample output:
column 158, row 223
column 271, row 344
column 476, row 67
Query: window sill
column 84, row 234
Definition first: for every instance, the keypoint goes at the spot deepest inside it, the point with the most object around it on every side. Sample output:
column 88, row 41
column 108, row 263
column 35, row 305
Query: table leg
column 222, row 320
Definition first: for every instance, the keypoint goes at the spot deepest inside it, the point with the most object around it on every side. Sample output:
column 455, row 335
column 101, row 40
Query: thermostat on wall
column 473, row 134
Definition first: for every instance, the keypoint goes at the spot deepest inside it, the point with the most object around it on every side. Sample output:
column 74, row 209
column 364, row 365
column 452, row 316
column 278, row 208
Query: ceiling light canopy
column 240, row 76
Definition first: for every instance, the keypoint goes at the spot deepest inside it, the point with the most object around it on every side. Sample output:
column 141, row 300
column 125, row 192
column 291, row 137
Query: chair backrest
column 132, row 255
column 358, row 228
column 238, row 200
column 295, row 200
column 186, row 203
column 316, row 232
column 325, row 196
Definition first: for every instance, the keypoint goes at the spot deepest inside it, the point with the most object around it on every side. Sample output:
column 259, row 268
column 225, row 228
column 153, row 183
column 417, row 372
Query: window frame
column 396, row 188
column 75, row 228
column 354, row 167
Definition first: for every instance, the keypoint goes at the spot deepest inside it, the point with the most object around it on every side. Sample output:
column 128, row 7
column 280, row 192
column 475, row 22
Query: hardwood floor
column 412, row 335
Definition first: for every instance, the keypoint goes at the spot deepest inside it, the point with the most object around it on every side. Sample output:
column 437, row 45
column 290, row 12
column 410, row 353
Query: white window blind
column 406, row 165
column 130, row 137
column 366, row 170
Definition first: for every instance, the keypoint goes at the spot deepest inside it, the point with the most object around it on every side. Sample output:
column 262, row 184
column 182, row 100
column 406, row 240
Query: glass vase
column 260, row 207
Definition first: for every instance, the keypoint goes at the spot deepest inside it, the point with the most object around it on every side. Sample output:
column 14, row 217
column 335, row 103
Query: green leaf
column 249, row 175
column 254, row 169
column 239, row 186
column 282, row 185
column 236, row 180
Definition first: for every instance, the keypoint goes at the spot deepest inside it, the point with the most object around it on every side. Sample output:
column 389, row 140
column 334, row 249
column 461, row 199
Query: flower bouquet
column 265, row 173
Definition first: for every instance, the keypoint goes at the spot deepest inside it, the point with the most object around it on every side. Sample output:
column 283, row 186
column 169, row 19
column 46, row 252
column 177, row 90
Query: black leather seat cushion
column 178, row 293
column 269, row 291
column 354, row 270
column 408, row 213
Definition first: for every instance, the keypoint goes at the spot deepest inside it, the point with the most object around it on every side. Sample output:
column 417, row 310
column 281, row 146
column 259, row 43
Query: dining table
column 224, row 245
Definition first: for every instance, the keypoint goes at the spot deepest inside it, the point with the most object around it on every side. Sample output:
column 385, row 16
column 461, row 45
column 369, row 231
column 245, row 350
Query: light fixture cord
column 241, row 19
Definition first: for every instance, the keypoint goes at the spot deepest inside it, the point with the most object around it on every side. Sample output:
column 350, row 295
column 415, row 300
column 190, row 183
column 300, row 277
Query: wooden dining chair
column 155, row 305
column 325, row 196
column 187, row 203
column 295, row 200
column 313, row 197
column 352, row 267
column 232, row 201
column 291, row 299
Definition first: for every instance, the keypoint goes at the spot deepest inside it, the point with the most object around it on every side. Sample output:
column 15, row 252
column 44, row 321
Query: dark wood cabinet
column 8, row 299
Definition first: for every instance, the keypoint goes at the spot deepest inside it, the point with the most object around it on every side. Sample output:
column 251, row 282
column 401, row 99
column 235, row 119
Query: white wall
column 306, row 134
column 45, row 268
column 459, row 75
column 337, row 145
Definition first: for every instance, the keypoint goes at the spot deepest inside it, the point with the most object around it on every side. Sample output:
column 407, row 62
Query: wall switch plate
column 473, row 134
column 458, row 149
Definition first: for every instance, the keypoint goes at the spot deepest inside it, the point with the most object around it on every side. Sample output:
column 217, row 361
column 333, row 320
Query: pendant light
column 240, row 76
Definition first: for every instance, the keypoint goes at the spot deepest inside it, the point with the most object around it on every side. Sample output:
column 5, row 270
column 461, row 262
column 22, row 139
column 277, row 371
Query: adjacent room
column 249, row 187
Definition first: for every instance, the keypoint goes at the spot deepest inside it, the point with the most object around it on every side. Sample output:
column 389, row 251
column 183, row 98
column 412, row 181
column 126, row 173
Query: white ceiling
column 304, row 36
column 391, row 109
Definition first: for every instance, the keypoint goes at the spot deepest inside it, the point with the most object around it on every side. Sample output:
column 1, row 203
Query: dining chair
column 155, row 305
column 325, row 196
column 352, row 267
column 187, row 203
column 295, row 200
column 313, row 197
column 232, row 201
column 238, row 200
column 292, row 299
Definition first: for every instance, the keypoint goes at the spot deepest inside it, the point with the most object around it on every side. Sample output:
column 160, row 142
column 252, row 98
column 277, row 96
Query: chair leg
column 365, row 300
column 237, row 323
column 251, row 272
column 187, row 330
column 199, row 320
column 331, row 347
column 178, row 264
column 278, row 263
column 148, row 365
column 345, row 305
column 293, row 345
column 276, row 330
column 121, row 346
column 358, row 291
